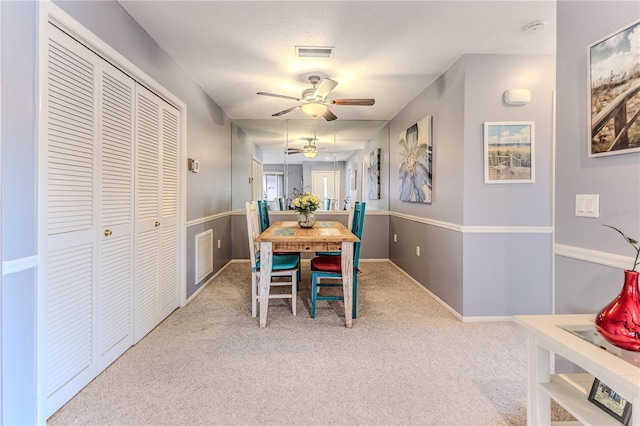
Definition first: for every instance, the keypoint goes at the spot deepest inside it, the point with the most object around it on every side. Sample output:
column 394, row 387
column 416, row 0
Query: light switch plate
column 588, row 205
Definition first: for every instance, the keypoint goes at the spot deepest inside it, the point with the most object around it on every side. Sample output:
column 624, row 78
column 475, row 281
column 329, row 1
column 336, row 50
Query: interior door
column 115, row 239
column 147, row 212
column 256, row 180
column 68, row 185
column 170, row 137
column 326, row 186
column 156, row 242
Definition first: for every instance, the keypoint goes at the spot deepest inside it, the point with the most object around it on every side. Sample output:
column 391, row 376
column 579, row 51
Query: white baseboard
column 453, row 312
column 423, row 288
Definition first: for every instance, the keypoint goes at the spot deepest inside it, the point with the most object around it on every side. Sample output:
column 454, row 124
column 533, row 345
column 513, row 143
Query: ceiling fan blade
column 278, row 96
column 361, row 102
column 328, row 115
column 325, row 87
column 293, row 151
column 278, row 114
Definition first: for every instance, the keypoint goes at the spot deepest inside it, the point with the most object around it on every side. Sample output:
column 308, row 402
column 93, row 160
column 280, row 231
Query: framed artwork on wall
column 509, row 152
column 614, row 93
column 416, row 162
column 373, row 173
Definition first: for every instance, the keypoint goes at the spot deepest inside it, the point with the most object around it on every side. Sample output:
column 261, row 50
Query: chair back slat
column 253, row 230
column 350, row 219
column 263, row 214
column 356, row 228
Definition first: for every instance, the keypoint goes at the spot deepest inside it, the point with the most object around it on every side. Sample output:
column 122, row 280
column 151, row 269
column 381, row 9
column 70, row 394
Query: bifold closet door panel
column 87, row 274
column 115, row 247
column 169, row 211
column 156, row 242
column 68, row 171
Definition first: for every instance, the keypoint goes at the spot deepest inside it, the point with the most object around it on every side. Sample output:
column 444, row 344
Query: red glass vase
column 619, row 321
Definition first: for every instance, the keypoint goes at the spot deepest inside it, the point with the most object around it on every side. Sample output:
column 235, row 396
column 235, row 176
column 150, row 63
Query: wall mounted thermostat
column 194, row 165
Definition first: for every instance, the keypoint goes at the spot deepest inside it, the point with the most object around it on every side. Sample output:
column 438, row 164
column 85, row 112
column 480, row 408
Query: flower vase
column 619, row 321
column 306, row 219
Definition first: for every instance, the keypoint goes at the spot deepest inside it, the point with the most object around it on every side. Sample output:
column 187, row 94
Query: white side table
column 571, row 390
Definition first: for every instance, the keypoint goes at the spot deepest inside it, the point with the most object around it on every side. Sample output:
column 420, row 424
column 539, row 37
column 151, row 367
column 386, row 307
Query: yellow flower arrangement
column 306, row 203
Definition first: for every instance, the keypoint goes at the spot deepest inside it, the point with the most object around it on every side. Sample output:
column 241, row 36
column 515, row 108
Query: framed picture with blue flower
column 416, row 162
column 373, row 173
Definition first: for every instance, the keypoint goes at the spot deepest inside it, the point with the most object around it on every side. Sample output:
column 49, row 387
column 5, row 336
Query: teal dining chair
column 330, row 267
column 349, row 227
column 263, row 217
column 263, row 214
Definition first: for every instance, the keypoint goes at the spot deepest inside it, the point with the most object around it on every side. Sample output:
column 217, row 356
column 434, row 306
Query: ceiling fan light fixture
column 314, row 109
column 309, row 151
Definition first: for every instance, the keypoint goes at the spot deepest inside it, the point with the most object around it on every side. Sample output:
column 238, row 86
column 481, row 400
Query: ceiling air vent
column 322, row 52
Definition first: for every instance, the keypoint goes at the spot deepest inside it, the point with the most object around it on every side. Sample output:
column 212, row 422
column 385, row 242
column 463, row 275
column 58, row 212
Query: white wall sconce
column 517, row 96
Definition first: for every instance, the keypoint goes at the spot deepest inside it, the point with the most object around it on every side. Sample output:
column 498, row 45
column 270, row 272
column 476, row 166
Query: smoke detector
column 534, row 27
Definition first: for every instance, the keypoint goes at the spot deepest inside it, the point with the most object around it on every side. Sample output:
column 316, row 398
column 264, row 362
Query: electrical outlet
column 395, row 238
column 218, row 243
column 418, row 251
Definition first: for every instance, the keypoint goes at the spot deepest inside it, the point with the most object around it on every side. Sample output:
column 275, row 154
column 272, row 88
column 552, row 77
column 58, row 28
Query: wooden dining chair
column 282, row 266
column 263, row 216
column 330, row 267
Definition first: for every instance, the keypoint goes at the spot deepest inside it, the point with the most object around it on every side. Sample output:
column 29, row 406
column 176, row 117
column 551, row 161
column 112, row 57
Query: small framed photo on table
column 610, row 402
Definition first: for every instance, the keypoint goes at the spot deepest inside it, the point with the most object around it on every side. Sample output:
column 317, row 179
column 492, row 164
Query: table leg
column 347, row 281
column 538, row 402
column 266, row 261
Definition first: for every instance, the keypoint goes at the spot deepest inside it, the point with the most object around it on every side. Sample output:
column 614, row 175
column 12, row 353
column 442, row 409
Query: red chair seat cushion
column 327, row 264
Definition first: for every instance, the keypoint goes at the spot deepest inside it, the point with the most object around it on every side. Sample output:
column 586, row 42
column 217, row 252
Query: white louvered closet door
column 156, row 276
column 115, row 246
column 169, row 211
column 70, row 169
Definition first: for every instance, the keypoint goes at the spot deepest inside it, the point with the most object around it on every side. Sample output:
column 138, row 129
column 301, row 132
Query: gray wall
column 440, row 266
column 208, row 133
column 507, row 273
column 480, row 269
column 444, row 100
column 585, row 287
column 221, row 256
column 243, row 151
column 19, row 212
column 486, row 79
column 380, row 140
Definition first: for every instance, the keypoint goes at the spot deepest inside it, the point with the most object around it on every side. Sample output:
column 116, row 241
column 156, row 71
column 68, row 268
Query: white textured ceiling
column 386, row 50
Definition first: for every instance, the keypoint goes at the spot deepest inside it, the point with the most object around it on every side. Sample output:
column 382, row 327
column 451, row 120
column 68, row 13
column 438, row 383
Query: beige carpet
column 406, row 361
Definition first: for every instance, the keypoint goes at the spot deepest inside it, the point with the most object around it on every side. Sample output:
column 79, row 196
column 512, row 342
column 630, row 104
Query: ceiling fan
column 309, row 150
column 314, row 101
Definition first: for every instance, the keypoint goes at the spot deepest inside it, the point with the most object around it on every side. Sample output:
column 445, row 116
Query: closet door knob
column 107, row 232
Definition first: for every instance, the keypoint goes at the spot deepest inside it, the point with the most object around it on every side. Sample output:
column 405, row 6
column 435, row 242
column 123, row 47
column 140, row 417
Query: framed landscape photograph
column 614, row 93
column 609, row 401
column 509, row 152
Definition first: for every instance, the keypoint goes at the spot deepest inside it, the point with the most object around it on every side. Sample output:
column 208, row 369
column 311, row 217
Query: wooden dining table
column 288, row 236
